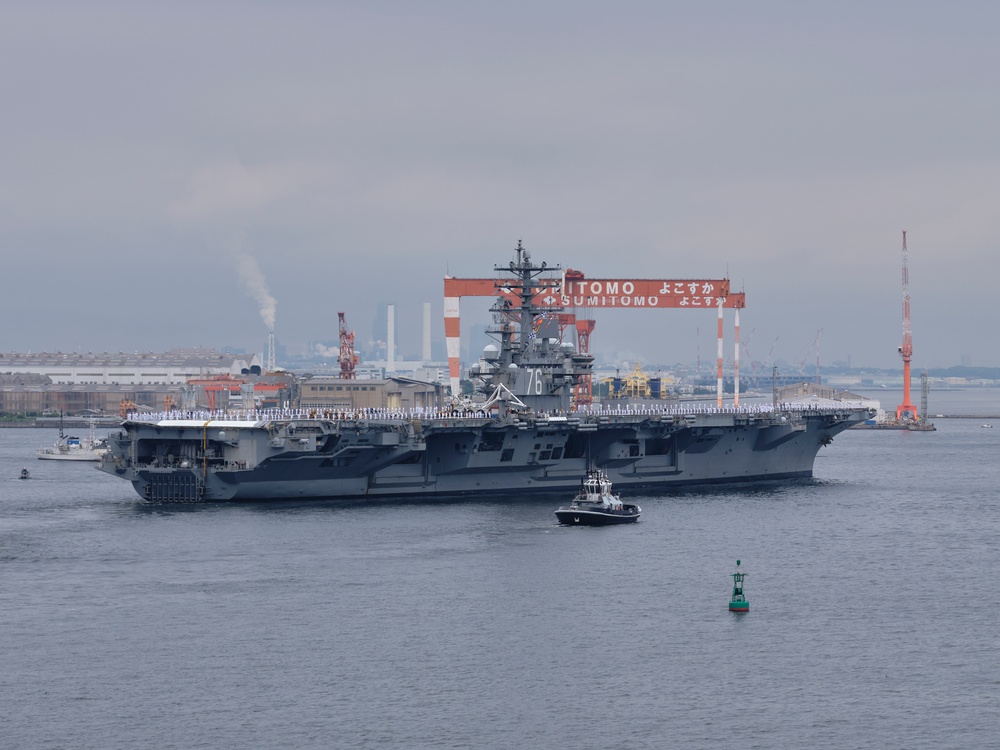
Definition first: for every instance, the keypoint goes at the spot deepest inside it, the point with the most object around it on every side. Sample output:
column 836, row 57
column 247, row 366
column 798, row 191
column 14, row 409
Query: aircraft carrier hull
column 525, row 430
column 460, row 457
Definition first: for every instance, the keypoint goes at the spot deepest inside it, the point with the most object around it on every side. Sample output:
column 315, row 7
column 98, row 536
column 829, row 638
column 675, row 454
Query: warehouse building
column 328, row 393
column 175, row 367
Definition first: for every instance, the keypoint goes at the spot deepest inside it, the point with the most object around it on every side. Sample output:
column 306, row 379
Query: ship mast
column 525, row 288
column 532, row 367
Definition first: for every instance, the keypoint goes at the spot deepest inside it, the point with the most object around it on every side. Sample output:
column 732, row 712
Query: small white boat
column 988, row 425
column 73, row 448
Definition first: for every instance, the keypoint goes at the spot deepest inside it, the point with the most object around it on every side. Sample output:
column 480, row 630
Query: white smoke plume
column 254, row 281
column 327, row 351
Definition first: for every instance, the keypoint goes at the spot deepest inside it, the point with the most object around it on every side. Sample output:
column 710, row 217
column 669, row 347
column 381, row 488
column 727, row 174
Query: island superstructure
column 523, row 436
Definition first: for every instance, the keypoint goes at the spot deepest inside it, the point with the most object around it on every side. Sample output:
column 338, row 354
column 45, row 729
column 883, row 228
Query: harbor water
column 487, row 625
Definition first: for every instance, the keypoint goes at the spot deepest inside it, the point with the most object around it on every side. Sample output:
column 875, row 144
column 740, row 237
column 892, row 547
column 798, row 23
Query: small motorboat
column 25, row 474
column 596, row 505
column 987, row 424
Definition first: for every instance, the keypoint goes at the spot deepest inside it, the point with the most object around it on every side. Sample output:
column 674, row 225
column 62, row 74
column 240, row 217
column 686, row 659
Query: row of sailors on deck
column 422, row 413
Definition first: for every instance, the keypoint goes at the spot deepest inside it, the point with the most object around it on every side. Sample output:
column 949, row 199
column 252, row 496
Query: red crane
column 348, row 359
column 574, row 291
column 906, row 409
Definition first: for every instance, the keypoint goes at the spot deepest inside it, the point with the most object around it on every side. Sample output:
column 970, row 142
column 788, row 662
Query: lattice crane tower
column 348, row 359
column 906, row 409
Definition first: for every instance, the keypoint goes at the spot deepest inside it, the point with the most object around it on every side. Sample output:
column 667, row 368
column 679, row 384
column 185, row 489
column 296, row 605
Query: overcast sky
column 158, row 159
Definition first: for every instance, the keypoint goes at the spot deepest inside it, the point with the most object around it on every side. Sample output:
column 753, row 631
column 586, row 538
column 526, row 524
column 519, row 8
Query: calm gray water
column 486, row 625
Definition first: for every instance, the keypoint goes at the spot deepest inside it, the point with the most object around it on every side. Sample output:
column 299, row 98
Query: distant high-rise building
column 426, row 352
column 472, row 347
column 380, row 325
column 391, row 340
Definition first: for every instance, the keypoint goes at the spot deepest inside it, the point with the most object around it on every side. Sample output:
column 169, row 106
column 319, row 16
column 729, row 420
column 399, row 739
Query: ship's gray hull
column 454, row 457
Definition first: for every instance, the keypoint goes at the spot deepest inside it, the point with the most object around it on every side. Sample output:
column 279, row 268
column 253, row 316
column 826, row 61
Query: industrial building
column 389, row 393
column 112, row 384
column 175, row 367
column 32, row 394
column 26, row 394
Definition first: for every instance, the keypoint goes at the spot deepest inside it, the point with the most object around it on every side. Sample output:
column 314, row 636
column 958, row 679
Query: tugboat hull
column 580, row 517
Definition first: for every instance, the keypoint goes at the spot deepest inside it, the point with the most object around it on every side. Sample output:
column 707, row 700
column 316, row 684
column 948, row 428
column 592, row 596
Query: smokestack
column 254, row 282
column 391, row 341
column 427, row 332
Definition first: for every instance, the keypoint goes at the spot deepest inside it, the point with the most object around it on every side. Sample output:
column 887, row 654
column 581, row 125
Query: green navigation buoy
column 738, row 602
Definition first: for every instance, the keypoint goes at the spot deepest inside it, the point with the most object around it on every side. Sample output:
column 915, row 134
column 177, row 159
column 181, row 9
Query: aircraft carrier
column 523, row 436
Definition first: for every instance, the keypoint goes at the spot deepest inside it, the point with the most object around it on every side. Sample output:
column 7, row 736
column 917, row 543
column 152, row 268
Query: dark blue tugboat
column 596, row 505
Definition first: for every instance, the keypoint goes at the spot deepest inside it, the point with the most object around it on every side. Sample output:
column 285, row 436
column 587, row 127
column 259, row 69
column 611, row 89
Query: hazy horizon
column 192, row 174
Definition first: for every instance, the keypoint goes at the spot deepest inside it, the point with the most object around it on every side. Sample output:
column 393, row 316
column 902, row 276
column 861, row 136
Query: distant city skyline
column 184, row 175
column 474, row 338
